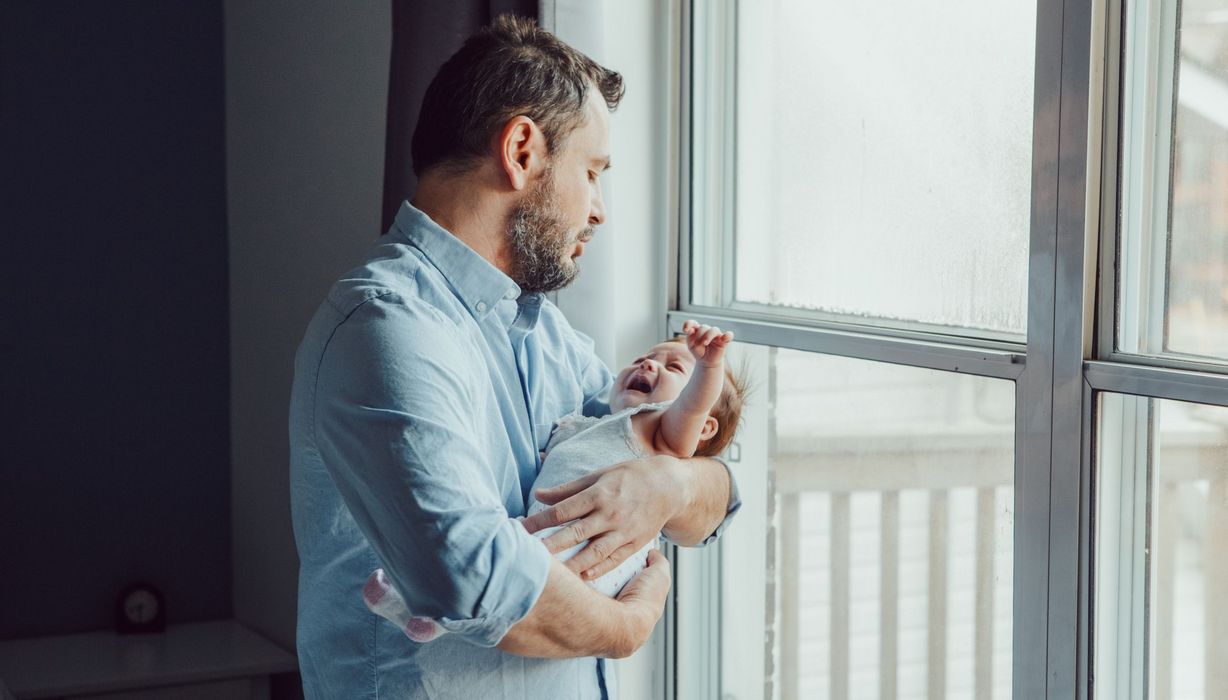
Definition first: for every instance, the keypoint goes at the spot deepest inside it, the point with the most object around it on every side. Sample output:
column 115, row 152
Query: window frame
column 1068, row 359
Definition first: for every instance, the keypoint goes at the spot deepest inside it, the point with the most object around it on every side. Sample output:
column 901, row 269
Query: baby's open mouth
column 638, row 383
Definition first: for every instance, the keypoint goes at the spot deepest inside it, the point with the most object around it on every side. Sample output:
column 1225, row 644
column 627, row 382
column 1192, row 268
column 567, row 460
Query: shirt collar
column 478, row 284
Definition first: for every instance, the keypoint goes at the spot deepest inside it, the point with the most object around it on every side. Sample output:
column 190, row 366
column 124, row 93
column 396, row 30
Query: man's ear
column 522, row 152
column 709, row 429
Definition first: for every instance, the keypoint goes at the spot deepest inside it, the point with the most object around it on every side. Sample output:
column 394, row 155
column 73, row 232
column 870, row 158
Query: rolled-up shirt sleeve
column 394, row 426
column 735, row 503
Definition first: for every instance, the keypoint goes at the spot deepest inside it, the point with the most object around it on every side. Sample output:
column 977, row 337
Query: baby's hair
column 728, row 408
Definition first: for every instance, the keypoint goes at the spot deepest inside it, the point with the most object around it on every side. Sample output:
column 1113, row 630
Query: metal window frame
column 999, row 362
column 1128, row 424
column 1107, row 323
column 1069, row 357
column 1157, row 382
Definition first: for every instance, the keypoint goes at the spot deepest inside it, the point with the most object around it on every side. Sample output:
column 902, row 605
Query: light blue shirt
column 424, row 390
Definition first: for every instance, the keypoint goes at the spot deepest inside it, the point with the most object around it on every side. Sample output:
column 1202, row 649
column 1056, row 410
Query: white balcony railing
column 825, row 580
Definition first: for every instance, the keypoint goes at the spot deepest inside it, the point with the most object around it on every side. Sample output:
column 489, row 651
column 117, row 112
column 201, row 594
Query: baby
column 678, row 399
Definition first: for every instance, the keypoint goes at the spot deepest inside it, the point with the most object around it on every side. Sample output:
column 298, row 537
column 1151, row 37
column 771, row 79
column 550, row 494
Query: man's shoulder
column 396, row 274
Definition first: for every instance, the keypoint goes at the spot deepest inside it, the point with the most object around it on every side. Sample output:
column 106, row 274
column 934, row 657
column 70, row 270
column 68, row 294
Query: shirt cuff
column 735, row 502
column 523, row 563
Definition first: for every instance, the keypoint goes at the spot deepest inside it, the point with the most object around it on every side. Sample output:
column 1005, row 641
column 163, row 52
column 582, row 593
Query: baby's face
column 658, row 375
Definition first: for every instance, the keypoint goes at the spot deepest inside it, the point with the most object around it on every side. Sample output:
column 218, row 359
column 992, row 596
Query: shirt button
column 481, row 306
column 511, row 294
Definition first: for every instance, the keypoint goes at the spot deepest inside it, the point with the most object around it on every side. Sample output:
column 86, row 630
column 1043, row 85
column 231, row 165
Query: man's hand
column 618, row 509
column 571, row 619
column 645, row 594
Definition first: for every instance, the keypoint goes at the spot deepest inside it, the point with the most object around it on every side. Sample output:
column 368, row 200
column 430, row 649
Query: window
column 976, row 256
column 828, row 199
column 1174, row 183
column 891, row 491
column 1162, row 521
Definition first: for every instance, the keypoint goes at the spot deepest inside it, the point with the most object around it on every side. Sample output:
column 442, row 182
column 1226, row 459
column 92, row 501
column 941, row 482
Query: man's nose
column 596, row 209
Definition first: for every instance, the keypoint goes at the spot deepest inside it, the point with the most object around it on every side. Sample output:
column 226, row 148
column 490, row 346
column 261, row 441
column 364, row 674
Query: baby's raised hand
column 706, row 343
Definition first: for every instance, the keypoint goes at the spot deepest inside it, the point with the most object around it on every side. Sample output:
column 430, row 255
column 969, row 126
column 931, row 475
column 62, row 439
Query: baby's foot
column 384, row 600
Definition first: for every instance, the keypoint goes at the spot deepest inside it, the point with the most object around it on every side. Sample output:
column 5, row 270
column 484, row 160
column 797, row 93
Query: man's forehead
column 594, row 104
column 594, row 131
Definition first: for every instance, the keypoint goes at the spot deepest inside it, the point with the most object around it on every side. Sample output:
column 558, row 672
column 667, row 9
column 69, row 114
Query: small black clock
column 140, row 609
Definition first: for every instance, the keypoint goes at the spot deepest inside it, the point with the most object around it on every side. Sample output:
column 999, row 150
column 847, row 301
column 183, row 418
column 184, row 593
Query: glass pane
column 1161, row 548
column 882, row 168
column 1173, row 279
column 873, row 558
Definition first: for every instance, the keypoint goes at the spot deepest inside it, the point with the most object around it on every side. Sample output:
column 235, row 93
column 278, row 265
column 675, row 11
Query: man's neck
column 470, row 209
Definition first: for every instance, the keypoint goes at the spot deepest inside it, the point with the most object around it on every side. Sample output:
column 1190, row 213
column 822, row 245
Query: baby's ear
column 709, row 429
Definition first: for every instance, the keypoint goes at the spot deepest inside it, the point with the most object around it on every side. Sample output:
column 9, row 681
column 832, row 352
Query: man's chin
column 549, row 280
column 571, row 270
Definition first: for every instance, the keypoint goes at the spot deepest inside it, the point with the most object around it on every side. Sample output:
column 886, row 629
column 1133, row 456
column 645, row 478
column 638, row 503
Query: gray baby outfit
column 579, row 445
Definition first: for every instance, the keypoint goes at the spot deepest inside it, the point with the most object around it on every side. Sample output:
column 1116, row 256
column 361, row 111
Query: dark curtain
column 424, row 34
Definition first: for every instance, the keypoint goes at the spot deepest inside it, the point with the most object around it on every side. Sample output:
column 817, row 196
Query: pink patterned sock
column 384, row 600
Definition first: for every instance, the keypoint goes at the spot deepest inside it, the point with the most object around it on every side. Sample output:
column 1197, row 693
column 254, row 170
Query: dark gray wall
column 114, row 368
column 306, row 89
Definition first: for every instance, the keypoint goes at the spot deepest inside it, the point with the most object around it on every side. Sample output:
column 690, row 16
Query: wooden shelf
column 97, row 662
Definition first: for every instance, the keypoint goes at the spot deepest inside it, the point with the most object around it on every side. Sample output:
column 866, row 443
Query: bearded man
column 426, row 387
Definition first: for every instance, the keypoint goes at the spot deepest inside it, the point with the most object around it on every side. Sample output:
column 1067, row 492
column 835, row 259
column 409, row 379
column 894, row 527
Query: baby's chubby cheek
column 618, row 400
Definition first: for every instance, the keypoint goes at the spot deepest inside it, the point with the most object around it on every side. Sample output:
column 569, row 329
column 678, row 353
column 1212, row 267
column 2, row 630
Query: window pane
column 883, row 163
column 874, row 555
column 1161, row 550
column 1174, row 213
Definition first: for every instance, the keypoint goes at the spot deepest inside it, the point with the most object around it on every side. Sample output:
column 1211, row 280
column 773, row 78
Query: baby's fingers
column 710, row 334
column 716, row 349
column 695, row 336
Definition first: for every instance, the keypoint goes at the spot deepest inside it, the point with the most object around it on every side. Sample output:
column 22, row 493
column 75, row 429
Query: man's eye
column 592, row 176
column 677, row 367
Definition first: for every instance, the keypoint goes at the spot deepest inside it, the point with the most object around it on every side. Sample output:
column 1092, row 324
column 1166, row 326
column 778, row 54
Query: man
column 426, row 386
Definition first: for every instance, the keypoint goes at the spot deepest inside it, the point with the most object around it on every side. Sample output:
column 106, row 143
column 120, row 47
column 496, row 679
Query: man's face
column 547, row 230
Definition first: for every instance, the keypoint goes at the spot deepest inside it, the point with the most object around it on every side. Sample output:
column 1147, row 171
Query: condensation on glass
column 1161, row 569
column 1173, row 233
column 877, row 561
column 882, row 163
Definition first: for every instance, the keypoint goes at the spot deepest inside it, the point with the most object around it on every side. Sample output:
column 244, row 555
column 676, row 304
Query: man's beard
column 539, row 241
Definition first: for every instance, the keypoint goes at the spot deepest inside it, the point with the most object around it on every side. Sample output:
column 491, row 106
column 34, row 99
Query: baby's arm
column 678, row 432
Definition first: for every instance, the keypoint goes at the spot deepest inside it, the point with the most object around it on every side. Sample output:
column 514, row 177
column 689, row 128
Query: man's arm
column 572, row 619
column 397, row 436
column 707, row 495
column 623, row 507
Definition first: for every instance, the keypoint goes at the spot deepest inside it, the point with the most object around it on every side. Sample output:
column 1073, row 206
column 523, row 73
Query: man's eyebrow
column 603, row 162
